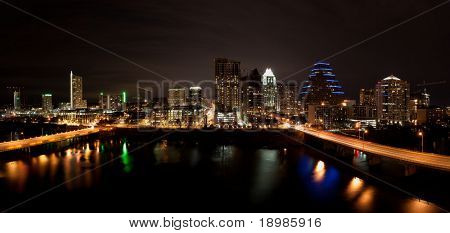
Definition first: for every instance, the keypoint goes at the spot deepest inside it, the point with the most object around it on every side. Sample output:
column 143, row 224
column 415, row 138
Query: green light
column 124, row 96
column 101, row 93
column 49, row 95
column 126, row 159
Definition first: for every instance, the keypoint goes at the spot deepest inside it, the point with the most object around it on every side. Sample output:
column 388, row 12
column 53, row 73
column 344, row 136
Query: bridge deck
column 24, row 143
column 431, row 160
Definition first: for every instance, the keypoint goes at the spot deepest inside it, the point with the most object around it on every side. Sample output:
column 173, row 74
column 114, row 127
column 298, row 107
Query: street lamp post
column 421, row 135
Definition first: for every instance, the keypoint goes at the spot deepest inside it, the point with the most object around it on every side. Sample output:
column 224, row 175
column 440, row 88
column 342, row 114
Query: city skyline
column 188, row 55
column 289, row 108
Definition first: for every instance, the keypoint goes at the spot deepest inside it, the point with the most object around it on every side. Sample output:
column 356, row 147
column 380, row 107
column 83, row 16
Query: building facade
column 392, row 100
column 76, row 92
column 195, row 96
column 17, row 101
column 270, row 92
column 321, row 87
column 252, row 97
column 288, row 94
column 227, row 91
column 177, row 97
column 47, row 104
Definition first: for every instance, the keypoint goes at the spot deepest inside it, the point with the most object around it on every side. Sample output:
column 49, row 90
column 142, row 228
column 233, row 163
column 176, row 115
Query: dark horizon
column 179, row 40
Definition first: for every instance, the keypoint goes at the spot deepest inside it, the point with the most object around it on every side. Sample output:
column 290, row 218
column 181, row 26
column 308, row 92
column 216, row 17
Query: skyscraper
column 321, row 87
column 367, row 97
column 102, row 101
column 177, row 97
column 392, row 100
column 195, row 98
column 227, row 101
column 47, row 104
column 417, row 101
column 288, row 93
column 252, row 97
column 270, row 93
column 114, row 103
column 76, row 92
column 17, row 101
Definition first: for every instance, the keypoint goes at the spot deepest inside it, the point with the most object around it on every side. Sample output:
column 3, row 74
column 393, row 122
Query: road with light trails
column 29, row 142
column 436, row 161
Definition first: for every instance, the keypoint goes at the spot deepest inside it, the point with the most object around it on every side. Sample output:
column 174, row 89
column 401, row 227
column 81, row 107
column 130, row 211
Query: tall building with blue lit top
column 321, row 87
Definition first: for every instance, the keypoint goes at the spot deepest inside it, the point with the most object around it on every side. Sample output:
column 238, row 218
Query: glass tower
column 321, row 87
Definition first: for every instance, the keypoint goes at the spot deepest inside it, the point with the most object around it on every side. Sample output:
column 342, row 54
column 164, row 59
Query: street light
column 421, row 135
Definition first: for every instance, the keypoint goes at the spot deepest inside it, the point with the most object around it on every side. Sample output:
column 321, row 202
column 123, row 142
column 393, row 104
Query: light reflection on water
column 165, row 153
column 16, row 174
column 364, row 203
column 319, row 172
column 265, row 177
column 354, row 187
column 268, row 168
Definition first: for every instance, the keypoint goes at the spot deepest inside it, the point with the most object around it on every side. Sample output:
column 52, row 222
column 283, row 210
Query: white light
column 391, row 77
column 268, row 73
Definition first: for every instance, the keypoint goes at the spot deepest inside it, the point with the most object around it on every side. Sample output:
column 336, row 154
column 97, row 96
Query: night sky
column 180, row 39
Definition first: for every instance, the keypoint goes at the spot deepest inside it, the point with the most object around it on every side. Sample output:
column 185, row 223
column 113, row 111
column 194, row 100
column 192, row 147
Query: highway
column 436, row 161
column 24, row 143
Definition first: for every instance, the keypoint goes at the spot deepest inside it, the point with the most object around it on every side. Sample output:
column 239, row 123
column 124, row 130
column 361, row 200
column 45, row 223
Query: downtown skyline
column 178, row 51
column 273, row 111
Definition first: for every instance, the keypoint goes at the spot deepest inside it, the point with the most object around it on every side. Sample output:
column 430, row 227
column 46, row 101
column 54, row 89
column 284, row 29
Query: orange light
column 420, row 133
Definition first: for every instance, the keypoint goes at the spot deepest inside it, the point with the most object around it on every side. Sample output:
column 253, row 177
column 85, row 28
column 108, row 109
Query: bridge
column 430, row 160
column 40, row 140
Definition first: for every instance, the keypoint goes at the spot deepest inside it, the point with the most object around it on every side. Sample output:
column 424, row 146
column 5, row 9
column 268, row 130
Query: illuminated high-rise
column 392, row 100
column 47, row 104
column 177, row 97
column 17, row 101
column 270, row 93
column 321, row 87
column 252, row 97
column 367, row 97
column 288, row 94
column 103, row 101
column 227, row 101
column 195, row 97
column 76, row 92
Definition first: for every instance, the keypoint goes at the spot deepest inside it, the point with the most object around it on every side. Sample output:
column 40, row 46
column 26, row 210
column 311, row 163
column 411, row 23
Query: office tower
column 102, row 101
column 252, row 97
column 177, row 97
column 227, row 101
column 195, row 96
column 321, row 87
column 108, row 102
column 270, row 93
column 288, row 93
column 47, row 105
column 367, row 97
column 328, row 116
column 392, row 100
column 417, row 101
column 17, row 102
column 76, row 92
column 114, row 103
column 367, row 107
column 124, row 100
column 421, row 98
